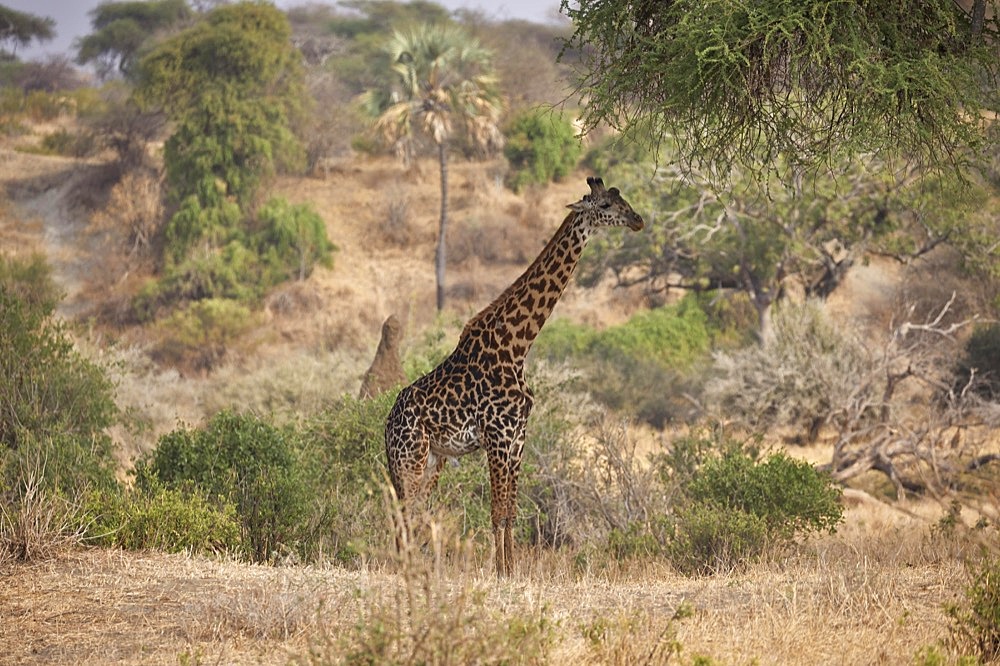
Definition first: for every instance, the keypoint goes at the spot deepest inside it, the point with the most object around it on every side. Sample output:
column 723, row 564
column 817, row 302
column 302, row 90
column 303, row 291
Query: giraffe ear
column 579, row 206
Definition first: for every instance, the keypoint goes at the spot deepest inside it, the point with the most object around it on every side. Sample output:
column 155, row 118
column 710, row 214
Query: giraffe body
column 478, row 397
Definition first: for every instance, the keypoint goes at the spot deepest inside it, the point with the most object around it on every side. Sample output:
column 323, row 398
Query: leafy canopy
column 232, row 84
column 19, row 28
column 810, row 81
column 122, row 29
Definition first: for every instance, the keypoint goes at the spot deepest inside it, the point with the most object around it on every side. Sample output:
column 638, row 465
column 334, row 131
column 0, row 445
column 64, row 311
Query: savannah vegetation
column 708, row 445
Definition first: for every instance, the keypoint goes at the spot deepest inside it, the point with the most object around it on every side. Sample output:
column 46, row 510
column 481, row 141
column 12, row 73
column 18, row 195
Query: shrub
column 641, row 367
column 798, row 377
column 54, row 403
column 203, row 331
column 154, row 517
column 242, row 460
column 541, row 146
column 733, row 506
column 62, row 142
column 346, row 451
column 291, row 240
column 976, row 620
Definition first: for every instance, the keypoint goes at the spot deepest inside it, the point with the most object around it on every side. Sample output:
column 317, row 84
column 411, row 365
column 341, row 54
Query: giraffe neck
column 518, row 314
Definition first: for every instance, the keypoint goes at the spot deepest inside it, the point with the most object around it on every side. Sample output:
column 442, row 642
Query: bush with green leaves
column 291, row 240
column 244, row 461
column 55, row 404
column 541, row 146
column 152, row 516
column 203, row 331
column 640, row 367
column 734, row 506
column 976, row 619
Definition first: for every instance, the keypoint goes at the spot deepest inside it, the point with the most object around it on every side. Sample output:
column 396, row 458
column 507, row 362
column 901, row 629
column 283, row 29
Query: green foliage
column 232, row 85
column 673, row 336
column 541, row 147
column 629, row 367
column 203, row 331
column 154, row 517
column 347, row 453
column 48, row 391
column 736, row 506
column 122, row 29
column 19, row 28
column 976, row 619
column 806, row 82
column 291, row 241
column 242, row 460
column 981, row 360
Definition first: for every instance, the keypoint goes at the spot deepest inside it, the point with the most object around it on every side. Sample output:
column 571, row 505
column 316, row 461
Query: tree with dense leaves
column 440, row 85
column 803, row 83
column 20, row 28
column 762, row 237
column 231, row 84
column 123, row 29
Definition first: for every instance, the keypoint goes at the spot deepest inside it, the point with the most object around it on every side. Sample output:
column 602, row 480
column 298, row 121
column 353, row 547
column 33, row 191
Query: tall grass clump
column 435, row 613
column 975, row 619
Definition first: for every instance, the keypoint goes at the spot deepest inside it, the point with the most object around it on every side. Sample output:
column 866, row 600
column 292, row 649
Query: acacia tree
column 810, row 81
column 761, row 235
column 440, row 84
column 122, row 29
column 19, row 28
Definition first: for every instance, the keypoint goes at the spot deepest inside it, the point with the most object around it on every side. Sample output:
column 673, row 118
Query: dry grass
column 874, row 593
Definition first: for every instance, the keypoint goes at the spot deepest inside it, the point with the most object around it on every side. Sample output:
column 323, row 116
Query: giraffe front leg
column 504, row 459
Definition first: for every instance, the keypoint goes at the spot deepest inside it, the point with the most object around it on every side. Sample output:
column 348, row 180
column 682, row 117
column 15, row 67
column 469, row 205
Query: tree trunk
column 439, row 252
column 978, row 18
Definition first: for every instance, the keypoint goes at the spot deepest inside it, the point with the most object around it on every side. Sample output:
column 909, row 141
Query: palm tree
column 440, row 84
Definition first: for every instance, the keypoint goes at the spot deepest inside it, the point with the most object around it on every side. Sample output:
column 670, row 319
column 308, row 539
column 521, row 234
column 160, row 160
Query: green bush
column 242, row 460
column 291, row 241
column 54, row 404
column 734, row 506
column 154, row 517
column 203, row 331
column 288, row 242
column 642, row 367
column 347, row 452
column 541, row 146
column 976, row 620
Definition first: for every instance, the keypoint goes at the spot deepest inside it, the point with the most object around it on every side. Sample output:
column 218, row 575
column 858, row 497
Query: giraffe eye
column 606, row 205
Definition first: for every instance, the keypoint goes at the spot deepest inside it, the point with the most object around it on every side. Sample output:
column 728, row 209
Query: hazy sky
column 72, row 20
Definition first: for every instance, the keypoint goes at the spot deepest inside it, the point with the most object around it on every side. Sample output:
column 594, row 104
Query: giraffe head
column 605, row 208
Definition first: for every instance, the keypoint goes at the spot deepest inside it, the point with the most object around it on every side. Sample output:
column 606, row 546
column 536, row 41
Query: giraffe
column 477, row 397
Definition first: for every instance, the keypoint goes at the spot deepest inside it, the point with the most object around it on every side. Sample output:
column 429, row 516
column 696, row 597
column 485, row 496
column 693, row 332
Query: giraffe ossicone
column 477, row 397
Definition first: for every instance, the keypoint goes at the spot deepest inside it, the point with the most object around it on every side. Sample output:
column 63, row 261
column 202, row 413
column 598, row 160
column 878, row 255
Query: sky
column 72, row 20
